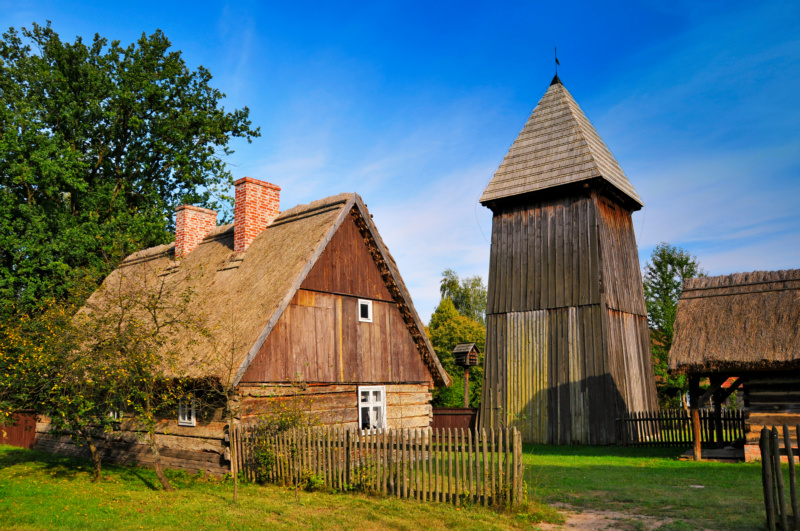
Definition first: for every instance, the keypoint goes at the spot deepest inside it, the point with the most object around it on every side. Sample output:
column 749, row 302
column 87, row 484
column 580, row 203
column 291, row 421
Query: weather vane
column 555, row 51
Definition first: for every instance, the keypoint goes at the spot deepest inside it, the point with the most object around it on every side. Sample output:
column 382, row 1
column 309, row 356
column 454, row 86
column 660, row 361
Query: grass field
column 650, row 481
column 43, row 491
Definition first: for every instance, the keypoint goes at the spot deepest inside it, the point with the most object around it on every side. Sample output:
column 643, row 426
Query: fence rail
column 772, row 478
column 673, row 427
column 451, row 466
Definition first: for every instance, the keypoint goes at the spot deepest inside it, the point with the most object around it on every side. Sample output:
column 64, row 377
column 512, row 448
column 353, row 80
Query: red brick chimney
column 192, row 224
column 257, row 204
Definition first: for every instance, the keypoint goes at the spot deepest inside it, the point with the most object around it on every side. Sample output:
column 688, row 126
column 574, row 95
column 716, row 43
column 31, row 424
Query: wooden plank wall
column 546, row 379
column 621, row 277
column 631, row 361
column 22, row 433
column 544, row 257
column 407, row 405
column 771, row 399
column 320, row 339
column 567, row 346
column 347, row 267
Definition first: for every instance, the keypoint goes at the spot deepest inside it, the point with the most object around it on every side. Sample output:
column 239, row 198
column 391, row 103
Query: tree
column 119, row 356
column 447, row 328
column 664, row 274
column 99, row 143
column 468, row 294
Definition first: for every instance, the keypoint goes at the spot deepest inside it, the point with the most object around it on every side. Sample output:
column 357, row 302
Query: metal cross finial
column 555, row 51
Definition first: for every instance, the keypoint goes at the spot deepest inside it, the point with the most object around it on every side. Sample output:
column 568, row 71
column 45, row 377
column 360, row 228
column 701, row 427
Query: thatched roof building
column 305, row 304
column 739, row 322
column 747, row 326
column 241, row 296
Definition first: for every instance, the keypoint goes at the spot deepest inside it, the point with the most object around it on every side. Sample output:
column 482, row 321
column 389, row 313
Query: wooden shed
column 313, row 296
column 746, row 326
column 567, row 342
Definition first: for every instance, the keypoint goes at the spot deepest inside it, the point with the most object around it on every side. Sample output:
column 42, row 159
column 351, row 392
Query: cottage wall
column 407, row 405
column 197, row 448
column 770, row 399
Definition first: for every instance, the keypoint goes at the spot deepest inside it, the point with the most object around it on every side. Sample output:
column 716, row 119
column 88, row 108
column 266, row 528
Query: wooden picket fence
column 673, row 427
column 450, row 466
column 772, row 478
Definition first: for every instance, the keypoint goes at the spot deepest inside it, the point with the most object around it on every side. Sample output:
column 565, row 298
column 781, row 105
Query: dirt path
column 593, row 519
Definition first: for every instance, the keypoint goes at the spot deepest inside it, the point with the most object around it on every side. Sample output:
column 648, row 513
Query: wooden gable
column 346, row 267
column 319, row 338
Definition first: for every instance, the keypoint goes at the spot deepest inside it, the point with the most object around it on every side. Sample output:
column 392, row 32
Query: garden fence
column 772, row 478
column 673, row 427
column 451, row 466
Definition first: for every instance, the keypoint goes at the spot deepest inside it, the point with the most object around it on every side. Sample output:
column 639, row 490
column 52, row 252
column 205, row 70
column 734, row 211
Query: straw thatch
column 557, row 146
column 739, row 322
column 241, row 296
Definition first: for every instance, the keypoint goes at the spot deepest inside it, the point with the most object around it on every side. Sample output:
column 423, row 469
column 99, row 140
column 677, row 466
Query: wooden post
column 766, row 478
column 787, row 442
column 776, row 459
column 694, row 398
column 485, row 470
column 466, row 386
column 718, row 418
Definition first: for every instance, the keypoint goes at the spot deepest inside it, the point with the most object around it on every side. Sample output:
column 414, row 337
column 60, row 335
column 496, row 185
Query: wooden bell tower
column 567, row 342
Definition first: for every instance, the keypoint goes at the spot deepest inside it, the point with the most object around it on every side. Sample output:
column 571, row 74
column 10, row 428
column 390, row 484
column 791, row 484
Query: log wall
column 198, row 448
column 567, row 346
column 407, row 405
column 771, row 399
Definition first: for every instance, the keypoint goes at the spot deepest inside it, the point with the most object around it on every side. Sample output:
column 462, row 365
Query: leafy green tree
column 468, row 294
column 448, row 328
column 49, row 366
column 664, row 274
column 99, row 143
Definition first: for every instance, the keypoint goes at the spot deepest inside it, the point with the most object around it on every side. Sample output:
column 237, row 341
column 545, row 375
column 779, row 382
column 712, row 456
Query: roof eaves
column 443, row 377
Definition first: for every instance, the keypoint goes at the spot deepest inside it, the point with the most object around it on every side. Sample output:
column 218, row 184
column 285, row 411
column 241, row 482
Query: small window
column 186, row 412
column 364, row 311
column 115, row 414
column 372, row 407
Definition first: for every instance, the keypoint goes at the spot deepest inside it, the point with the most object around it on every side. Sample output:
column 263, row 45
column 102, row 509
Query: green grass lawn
column 649, row 481
column 44, row 491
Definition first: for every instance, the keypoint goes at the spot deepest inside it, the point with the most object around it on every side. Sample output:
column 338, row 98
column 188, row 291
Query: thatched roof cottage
column 310, row 294
column 745, row 325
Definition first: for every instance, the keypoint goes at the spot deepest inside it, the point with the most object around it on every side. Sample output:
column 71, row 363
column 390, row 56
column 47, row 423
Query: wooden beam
column 716, row 383
column 694, row 403
column 730, row 390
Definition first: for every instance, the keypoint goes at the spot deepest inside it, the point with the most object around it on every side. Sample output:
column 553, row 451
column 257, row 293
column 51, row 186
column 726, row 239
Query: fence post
column 776, row 459
column 766, row 478
column 520, row 469
column 787, row 442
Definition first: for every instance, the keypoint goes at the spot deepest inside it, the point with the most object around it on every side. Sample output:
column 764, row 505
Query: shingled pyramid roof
column 557, row 146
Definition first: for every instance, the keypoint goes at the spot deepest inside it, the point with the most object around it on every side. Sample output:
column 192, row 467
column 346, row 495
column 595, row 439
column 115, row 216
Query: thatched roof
column 557, row 146
column 242, row 296
column 739, row 322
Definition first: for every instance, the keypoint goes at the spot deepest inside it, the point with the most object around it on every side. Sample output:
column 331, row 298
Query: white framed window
column 186, row 412
column 372, row 407
column 115, row 414
column 364, row 311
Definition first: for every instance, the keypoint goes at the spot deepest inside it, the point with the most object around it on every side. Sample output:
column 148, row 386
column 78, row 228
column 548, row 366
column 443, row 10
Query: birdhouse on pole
column 466, row 355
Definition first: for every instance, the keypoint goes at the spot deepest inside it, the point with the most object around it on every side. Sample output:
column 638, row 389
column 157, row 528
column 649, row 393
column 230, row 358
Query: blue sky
column 413, row 106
